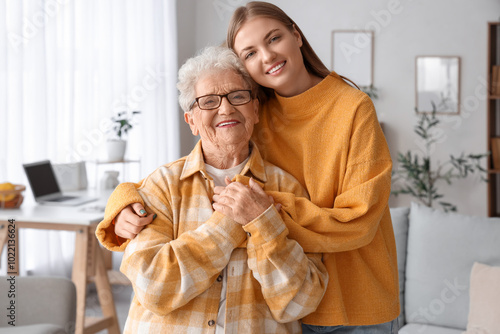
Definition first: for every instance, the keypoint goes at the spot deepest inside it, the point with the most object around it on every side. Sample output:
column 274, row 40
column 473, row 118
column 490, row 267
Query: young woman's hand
column 131, row 220
column 241, row 203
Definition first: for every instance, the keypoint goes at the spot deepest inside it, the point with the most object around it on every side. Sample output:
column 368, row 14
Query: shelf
column 123, row 165
column 493, row 117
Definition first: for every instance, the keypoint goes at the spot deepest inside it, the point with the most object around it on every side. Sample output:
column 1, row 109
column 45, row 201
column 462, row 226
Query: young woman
column 326, row 134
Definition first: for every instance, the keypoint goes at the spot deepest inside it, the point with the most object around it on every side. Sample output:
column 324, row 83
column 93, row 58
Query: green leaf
column 415, row 175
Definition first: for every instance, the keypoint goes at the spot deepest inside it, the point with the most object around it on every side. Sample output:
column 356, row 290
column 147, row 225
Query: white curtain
column 67, row 66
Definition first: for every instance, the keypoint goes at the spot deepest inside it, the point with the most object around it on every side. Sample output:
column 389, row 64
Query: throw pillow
column 484, row 299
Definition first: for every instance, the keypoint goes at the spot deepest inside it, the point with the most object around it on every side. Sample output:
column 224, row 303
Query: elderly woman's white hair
column 211, row 59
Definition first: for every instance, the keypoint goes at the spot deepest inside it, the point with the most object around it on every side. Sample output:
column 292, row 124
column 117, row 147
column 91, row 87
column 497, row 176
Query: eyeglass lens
column 235, row 98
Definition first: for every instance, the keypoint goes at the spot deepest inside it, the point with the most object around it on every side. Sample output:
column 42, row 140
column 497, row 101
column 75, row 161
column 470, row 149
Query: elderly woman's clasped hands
column 240, row 202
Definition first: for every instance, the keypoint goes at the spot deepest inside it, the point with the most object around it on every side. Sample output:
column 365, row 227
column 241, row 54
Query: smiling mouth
column 228, row 123
column 276, row 68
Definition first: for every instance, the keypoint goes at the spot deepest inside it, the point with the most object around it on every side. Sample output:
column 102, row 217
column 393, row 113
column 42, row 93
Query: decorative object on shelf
column 124, row 166
column 416, row 175
column 437, row 84
column 11, row 196
column 352, row 55
column 109, row 180
column 116, row 149
column 122, row 123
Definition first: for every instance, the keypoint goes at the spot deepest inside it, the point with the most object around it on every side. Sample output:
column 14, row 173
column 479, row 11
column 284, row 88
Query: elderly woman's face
column 227, row 124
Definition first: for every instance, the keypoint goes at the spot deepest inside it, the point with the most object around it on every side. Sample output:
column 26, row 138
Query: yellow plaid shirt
column 175, row 263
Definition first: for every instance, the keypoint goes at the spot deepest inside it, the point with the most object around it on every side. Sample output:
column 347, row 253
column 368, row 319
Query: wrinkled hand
column 131, row 220
column 241, row 203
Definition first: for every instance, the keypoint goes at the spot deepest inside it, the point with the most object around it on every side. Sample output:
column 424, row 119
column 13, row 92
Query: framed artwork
column 352, row 55
column 437, row 86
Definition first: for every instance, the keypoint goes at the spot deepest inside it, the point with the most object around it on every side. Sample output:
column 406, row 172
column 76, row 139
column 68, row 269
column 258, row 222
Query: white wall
column 403, row 30
column 186, row 30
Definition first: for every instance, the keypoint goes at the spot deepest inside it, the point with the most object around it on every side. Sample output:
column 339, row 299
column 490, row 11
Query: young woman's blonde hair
column 253, row 9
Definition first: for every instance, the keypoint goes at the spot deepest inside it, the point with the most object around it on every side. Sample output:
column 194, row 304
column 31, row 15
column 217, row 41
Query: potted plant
column 418, row 177
column 122, row 123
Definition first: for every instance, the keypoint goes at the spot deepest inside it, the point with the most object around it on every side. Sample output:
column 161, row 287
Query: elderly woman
column 196, row 270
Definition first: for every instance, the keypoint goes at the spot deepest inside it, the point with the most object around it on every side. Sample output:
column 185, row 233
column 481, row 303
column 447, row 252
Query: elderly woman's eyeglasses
column 213, row 101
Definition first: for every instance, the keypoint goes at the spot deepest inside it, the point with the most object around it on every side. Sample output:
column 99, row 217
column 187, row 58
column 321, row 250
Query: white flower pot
column 116, row 149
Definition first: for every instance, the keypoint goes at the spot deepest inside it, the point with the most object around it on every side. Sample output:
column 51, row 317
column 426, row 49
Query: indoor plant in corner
column 122, row 123
column 418, row 177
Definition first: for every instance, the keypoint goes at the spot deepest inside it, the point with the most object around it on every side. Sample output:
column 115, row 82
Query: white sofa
column 436, row 253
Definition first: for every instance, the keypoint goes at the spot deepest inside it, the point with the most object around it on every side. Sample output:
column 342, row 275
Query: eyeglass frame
column 221, row 97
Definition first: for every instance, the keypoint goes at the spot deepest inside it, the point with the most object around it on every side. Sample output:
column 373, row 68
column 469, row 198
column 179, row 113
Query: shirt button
column 211, row 323
column 249, row 234
column 219, row 278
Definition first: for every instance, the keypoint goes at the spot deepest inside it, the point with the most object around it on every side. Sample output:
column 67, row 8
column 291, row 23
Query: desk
column 88, row 259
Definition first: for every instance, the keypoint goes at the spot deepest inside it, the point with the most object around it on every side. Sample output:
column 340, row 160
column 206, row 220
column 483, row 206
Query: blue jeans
column 390, row 327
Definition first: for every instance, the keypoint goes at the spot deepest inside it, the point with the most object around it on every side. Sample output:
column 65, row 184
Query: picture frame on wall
column 352, row 55
column 437, row 84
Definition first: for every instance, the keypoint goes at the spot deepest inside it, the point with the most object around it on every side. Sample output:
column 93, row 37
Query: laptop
column 45, row 187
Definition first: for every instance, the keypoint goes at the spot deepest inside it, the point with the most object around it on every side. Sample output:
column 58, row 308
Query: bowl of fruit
column 11, row 195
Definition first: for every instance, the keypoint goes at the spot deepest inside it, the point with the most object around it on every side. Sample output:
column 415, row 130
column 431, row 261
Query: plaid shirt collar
column 254, row 168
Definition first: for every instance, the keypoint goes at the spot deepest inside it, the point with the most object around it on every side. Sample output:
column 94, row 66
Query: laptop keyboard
column 62, row 198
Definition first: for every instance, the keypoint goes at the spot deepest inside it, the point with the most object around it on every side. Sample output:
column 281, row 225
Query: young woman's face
column 271, row 54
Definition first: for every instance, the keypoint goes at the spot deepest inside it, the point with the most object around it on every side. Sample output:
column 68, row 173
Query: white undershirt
column 219, row 175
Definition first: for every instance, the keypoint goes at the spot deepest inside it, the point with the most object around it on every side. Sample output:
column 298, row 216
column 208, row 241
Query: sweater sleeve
column 167, row 273
column 123, row 195
column 362, row 198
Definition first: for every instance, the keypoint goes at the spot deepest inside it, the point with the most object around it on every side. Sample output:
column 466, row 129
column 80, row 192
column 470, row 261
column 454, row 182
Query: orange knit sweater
column 330, row 140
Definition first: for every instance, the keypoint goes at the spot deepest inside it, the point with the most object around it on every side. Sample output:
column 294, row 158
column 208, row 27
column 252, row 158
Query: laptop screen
column 42, row 178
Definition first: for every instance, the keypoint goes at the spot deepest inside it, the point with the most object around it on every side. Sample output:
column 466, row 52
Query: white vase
column 109, row 180
column 116, row 149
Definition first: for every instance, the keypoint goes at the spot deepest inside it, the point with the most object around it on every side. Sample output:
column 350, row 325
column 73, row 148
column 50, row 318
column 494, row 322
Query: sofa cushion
column 442, row 247
column 399, row 218
column 484, row 299
column 427, row 329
